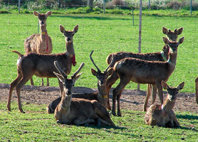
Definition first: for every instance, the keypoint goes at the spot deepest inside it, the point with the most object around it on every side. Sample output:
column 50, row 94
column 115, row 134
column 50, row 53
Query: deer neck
column 165, row 58
column 172, row 60
column 70, row 49
column 102, row 93
column 43, row 33
column 66, row 101
column 168, row 104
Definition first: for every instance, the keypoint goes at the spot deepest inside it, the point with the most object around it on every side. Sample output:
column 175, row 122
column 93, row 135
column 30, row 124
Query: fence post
column 104, row 6
column 191, row 7
column 149, row 4
column 19, row 5
column 140, row 33
column 133, row 16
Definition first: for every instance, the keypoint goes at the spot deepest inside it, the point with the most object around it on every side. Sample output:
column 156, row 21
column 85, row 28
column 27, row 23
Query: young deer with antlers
column 172, row 35
column 39, row 43
column 196, row 89
column 75, row 110
column 101, row 96
column 163, row 115
column 144, row 72
column 42, row 66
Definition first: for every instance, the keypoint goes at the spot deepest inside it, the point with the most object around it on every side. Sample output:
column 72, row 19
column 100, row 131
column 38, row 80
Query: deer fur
column 39, row 43
column 101, row 95
column 42, row 66
column 163, row 115
column 196, row 89
column 75, row 110
column 172, row 35
column 144, row 72
column 157, row 56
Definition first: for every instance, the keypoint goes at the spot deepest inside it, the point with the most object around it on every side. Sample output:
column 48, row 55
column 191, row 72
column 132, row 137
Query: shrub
column 174, row 5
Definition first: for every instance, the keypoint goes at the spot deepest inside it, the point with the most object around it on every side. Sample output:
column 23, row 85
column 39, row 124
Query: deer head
column 172, row 92
column 69, row 34
column 102, row 78
column 172, row 35
column 173, row 44
column 67, row 83
column 42, row 17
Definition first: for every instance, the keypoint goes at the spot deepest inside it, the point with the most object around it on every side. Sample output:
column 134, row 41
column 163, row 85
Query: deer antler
column 56, row 64
column 81, row 66
column 93, row 61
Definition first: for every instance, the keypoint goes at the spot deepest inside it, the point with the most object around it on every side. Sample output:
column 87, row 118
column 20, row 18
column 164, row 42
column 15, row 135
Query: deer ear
column 179, row 31
column 165, row 39
column 180, row 86
column 60, row 77
column 165, row 30
column 48, row 13
column 94, row 72
column 62, row 29
column 75, row 29
column 36, row 13
column 164, row 85
column 181, row 40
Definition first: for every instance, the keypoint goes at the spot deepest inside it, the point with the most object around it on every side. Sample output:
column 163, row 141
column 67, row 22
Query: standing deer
column 163, row 115
column 158, row 56
column 172, row 35
column 42, row 66
column 39, row 43
column 75, row 110
column 101, row 96
column 196, row 89
column 144, row 72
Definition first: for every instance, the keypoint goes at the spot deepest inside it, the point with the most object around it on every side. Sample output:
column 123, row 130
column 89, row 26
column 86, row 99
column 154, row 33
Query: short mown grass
column 37, row 125
column 104, row 34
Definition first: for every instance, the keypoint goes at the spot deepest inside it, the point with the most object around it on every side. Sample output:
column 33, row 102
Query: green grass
column 104, row 34
column 36, row 125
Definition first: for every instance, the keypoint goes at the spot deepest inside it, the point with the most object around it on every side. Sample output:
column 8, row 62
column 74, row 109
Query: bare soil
column 130, row 99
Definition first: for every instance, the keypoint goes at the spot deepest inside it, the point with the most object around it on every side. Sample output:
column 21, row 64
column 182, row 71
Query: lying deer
column 42, row 66
column 101, row 96
column 157, row 56
column 39, row 43
column 75, row 110
column 163, row 115
column 196, row 89
column 144, row 72
column 172, row 35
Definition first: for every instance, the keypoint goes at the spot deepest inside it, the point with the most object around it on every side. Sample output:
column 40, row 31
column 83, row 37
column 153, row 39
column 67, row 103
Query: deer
column 163, row 115
column 143, row 72
column 172, row 35
column 157, row 56
column 42, row 66
column 196, row 89
column 101, row 95
column 78, row 111
column 39, row 43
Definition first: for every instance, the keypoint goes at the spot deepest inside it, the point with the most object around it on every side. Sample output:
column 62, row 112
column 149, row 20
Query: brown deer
column 172, row 35
column 163, row 115
column 157, row 56
column 196, row 89
column 39, row 43
column 101, row 96
column 42, row 66
column 75, row 110
column 144, row 72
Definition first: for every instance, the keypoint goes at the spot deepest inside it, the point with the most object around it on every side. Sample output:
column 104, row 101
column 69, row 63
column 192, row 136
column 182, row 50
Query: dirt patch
column 130, row 99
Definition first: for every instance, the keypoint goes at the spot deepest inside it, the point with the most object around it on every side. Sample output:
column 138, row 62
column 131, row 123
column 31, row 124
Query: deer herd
column 153, row 69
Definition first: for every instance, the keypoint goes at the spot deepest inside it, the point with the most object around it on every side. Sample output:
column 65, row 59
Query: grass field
column 36, row 125
column 104, row 34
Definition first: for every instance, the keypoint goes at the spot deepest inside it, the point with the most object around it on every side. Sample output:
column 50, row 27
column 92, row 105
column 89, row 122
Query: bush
column 174, row 5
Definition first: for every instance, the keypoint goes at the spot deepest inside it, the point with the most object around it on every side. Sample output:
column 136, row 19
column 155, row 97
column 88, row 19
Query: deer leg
column 12, row 86
column 160, row 92
column 117, row 93
column 154, row 94
column 18, row 89
column 47, row 81
column 147, row 96
column 32, row 82
column 42, row 84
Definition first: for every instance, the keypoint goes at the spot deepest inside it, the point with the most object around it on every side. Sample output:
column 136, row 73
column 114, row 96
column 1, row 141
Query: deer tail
column 20, row 55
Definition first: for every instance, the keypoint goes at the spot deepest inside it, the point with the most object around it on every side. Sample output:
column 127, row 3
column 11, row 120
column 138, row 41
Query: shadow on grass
column 188, row 128
column 189, row 117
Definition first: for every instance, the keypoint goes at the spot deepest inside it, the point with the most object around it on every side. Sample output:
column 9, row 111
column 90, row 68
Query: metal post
column 104, row 6
column 191, row 7
column 133, row 16
column 149, row 4
column 19, row 5
column 140, row 32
